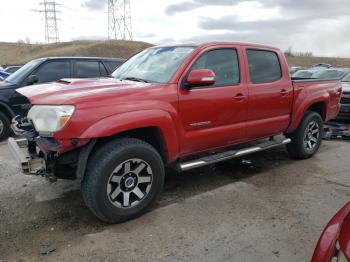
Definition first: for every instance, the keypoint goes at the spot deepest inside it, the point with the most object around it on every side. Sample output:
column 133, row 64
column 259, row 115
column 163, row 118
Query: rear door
column 270, row 93
column 214, row 116
column 89, row 69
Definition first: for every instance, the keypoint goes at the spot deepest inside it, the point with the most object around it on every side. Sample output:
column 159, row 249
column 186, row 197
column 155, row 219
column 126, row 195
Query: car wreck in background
column 345, row 99
column 4, row 75
column 44, row 70
column 334, row 243
column 12, row 69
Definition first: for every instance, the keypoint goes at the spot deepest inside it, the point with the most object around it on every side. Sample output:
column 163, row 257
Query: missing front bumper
column 29, row 165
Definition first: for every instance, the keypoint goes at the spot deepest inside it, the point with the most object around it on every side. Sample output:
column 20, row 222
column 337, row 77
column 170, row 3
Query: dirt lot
column 270, row 210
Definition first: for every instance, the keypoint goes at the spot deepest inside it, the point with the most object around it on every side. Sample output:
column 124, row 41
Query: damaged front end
column 44, row 156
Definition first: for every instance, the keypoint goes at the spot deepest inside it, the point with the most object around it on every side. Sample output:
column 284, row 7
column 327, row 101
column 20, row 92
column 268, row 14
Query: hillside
column 309, row 61
column 16, row 53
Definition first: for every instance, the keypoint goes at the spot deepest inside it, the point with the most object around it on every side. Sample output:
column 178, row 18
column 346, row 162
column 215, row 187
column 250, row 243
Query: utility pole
column 119, row 20
column 49, row 8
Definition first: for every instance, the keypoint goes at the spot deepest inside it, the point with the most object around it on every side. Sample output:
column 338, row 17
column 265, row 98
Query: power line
column 50, row 10
column 119, row 20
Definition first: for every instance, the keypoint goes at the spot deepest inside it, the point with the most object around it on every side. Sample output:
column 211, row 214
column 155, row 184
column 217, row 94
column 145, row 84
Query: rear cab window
column 264, row 66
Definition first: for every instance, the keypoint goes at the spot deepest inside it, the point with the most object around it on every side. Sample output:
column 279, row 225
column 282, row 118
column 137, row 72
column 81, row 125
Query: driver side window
column 53, row 71
column 224, row 63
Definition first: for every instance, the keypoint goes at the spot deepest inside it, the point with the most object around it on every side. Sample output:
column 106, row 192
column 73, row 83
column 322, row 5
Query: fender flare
column 299, row 114
column 115, row 124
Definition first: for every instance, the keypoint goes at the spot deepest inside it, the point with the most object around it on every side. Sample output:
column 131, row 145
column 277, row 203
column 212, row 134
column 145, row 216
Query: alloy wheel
column 129, row 183
column 311, row 136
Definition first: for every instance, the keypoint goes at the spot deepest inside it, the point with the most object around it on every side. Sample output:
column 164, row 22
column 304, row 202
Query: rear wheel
column 123, row 179
column 4, row 126
column 307, row 138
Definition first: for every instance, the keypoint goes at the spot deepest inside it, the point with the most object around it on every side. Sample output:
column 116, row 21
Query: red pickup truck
column 183, row 106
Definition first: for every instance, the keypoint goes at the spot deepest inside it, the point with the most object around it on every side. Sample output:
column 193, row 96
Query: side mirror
column 33, row 79
column 201, row 77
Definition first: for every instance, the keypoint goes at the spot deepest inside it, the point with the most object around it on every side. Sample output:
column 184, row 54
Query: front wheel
column 307, row 138
column 124, row 177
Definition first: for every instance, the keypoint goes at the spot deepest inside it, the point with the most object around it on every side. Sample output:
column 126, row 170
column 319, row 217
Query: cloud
column 318, row 26
column 146, row 35
column 323, row 37
column 95, row 5
column 181, row 7
column 302, row 7
column 232, row 23
column 195, row 4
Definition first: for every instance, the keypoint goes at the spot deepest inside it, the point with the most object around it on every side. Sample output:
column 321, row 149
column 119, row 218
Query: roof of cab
column 213, row 43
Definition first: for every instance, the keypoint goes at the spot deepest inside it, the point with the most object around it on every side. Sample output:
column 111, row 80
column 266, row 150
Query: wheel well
column 151, row 135
column 319, row 108
column 4, row 110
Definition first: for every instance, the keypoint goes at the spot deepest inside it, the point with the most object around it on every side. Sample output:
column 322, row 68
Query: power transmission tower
column 119, row 20
column 49, row 8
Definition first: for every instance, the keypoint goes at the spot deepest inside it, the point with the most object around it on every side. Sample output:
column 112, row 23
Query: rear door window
column 87, row 69
column 103, row 70
column 53, row 71
column 264, row 66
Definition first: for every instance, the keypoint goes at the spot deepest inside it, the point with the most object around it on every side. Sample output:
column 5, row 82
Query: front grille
column 345, row 99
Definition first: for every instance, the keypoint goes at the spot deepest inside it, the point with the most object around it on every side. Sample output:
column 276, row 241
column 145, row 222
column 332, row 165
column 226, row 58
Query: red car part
column 338, row 228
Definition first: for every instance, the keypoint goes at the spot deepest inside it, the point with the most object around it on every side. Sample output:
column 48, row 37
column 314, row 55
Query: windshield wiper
column 135, row 79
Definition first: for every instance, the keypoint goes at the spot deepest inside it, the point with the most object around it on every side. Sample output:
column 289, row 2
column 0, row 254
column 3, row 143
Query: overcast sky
column 319, row 26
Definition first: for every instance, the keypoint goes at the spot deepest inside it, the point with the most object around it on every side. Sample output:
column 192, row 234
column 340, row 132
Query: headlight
column 50, row 119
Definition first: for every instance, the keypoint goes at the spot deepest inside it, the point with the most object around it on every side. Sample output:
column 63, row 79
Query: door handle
column 284, row 92
column 239, row 97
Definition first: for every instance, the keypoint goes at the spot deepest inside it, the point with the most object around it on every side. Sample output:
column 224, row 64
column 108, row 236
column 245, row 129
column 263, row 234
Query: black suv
column 44, row 70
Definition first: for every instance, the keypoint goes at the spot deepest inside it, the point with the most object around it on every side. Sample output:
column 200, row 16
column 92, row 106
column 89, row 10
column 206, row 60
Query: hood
column 346, row 86
column 73, row 91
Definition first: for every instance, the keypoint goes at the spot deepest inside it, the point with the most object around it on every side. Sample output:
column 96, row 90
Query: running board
column 207, row 160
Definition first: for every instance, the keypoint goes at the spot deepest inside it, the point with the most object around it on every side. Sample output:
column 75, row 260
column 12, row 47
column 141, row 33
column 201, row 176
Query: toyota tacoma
column 180, row 106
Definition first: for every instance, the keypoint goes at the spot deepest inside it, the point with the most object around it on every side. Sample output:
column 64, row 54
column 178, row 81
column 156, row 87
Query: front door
column 214, row 116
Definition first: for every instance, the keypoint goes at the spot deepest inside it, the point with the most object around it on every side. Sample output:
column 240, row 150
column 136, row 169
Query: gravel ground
column 270, row 208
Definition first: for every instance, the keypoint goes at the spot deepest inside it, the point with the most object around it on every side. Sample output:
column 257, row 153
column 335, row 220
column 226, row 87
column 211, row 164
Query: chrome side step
column 207, row 160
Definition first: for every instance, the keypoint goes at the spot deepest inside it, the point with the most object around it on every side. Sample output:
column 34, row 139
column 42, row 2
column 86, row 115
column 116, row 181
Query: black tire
column 297, row 148
column 6, row 126
column 102, row 168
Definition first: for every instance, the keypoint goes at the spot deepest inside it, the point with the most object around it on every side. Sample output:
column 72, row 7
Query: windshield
column 18, row 76
column 156, row 65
